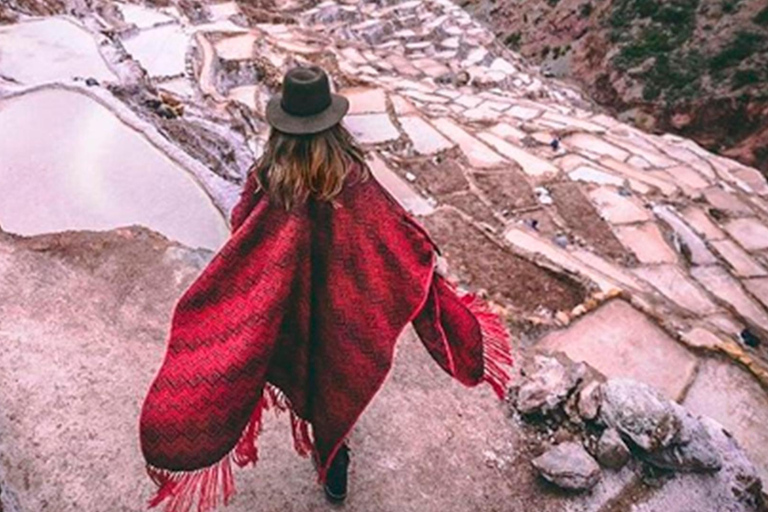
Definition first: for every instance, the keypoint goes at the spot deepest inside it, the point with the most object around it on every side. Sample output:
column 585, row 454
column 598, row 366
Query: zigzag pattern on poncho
column 300, row 311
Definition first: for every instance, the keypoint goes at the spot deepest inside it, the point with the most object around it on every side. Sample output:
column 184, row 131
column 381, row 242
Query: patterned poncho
column 300, row 311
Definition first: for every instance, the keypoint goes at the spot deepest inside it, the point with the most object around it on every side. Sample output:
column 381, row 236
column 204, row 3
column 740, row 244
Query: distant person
column 300, row 310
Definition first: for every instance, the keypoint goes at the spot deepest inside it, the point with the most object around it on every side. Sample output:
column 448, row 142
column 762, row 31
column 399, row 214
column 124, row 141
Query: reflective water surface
column 66, row 162
column 49, row 50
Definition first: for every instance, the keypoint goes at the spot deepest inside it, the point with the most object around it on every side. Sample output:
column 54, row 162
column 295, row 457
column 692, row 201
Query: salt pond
column 49, row 50
column 160, row 50
column 143, row 17
column 66, row 162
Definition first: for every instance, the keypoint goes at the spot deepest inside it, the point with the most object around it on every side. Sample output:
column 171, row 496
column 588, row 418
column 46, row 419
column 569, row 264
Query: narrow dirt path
column 83, row 321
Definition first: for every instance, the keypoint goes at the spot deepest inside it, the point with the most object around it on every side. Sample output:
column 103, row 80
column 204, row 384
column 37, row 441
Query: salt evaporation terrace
column 644, row 255
column 67, row 163
column 44, row 51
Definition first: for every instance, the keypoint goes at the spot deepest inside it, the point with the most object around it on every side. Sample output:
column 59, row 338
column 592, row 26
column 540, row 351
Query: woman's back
column 301, row 310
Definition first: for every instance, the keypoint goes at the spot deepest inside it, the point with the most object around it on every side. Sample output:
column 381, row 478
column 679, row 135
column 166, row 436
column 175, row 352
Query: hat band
column 304, row 109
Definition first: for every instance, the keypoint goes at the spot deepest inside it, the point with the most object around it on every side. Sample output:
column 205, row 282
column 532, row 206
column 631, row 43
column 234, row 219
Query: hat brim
column 299, row 125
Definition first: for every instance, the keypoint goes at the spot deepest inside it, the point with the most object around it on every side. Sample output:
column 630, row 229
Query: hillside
column 698, row 68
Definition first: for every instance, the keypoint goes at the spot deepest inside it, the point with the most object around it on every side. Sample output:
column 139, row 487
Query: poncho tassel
column 497, row 350
column 215, row 484
column 302, row 440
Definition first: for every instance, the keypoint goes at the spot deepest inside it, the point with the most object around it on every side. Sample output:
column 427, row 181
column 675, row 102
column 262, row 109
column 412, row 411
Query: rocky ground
column 642, row 256
column 693, row 67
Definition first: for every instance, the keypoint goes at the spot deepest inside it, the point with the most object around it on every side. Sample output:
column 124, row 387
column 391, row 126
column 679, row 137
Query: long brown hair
column 293, row 167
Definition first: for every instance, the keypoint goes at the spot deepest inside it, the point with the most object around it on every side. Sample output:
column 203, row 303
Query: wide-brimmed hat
column 306, row 104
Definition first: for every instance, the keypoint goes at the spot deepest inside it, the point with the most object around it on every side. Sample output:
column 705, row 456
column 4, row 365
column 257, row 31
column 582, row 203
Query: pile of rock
column 604, row 424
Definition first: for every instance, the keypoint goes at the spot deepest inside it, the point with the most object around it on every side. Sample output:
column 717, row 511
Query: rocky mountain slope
column 642, row 256
column 698, row 68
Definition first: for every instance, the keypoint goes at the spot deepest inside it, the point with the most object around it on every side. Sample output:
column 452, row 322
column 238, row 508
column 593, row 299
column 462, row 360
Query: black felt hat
column 306, row 104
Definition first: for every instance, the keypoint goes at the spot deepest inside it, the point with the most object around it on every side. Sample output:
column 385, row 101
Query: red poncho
column 300, row 310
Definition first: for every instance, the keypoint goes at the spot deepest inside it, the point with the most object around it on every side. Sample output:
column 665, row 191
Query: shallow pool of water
column 66, row 162
column 143, row 17
column 160, row 50
column 49, row 50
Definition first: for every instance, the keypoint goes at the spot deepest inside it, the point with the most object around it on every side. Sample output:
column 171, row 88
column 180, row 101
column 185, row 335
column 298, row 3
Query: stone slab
column 754, row 179
column 667, row 187
column 479, row 155
column 726, row 201
column 532, row 165
column 701, row 223
column 404, row 194
column 647, row 242
column 743, row 264
column 363, row 100
column 483, row 113
column 642, row 149
column 689, row 177
column 701, row 338
column 426, row 140
column 616, row 208
column 595, row 144
column 750, row 233
column 697, row 249
column 532, row 244
column 759, row 288
column 402, row 105
column 507, row 131
column 674, row 284
column 236, row 48
column 733, row 397
column 606, row 268
column 720, row 283
column 371, row 128
column 688, row 157
column 620, row 341
column 572, row 122
column 468, row 101
column 591, row 175
column 523, row 113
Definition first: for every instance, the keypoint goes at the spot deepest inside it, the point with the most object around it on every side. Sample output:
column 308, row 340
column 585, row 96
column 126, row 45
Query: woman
column 300, row 310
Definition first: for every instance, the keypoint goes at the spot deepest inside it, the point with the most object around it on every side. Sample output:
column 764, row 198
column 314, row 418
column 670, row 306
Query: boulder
column 693, row 450
column 548, row 385
column 640, row 414
column 568, row 465
column 735, row 488
column 611, row 450
column 589, row 401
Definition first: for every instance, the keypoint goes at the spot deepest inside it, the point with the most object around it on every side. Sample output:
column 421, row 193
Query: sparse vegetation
column 677, row 77
column 742, row 46
column 744, row 77
column 677, row 16
column 654, row 38
column 653, row 41
column 730, row 6
column 762, row 17
column 513, row 40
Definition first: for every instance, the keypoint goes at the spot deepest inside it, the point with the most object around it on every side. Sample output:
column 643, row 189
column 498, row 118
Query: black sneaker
column 336, row 480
